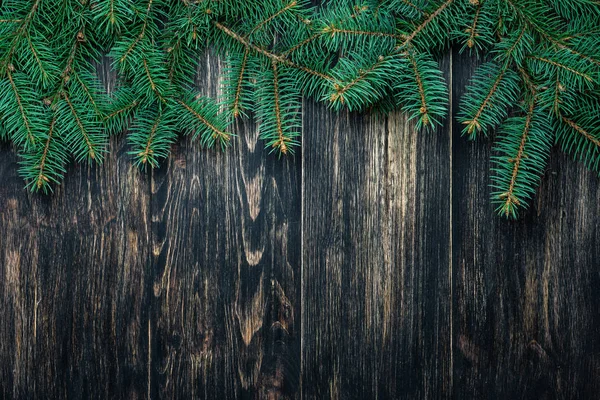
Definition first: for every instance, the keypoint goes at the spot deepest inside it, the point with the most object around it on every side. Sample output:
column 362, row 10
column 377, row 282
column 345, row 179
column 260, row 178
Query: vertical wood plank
column 226, row 262
column 72, row 281
column 375, row 284
column 526, row 299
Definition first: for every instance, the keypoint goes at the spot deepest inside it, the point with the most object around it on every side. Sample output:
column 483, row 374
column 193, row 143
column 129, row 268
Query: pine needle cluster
column 539, row 83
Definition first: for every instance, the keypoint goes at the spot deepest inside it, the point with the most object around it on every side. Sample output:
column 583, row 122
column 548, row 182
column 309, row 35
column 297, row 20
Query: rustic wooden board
column 369, row 265
column 226, row 264
column 527, row 292
column 376, row 258
column 73, row 277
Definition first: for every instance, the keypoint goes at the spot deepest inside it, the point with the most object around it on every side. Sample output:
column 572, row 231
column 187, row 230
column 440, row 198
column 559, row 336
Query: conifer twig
column 473, row 29
column 238, row 90
column 30, row 136
column 145, row 154
column 421, row 90
column 509, row 196
column 587, row 135
column 42, row 178
column 217, row 133
column 562, row 66
column 22, row 30
column 140, row 36
column 262, row 23
column 280, row 143
column 91, row 152
column 474, row 124
column 426, row 22
column 266, row 53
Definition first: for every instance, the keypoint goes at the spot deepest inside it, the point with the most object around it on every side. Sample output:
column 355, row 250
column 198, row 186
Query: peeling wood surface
column 368, row 265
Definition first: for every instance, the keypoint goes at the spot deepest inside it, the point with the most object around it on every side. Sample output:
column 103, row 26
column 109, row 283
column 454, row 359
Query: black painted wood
column 226, row 263
column 376, row 258
column 527, row 292
column 73, row 276
column 368, row 265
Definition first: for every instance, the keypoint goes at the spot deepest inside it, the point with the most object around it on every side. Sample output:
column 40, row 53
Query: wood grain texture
column 73, row 272
column 226, row 259
column 368, row 266
column 376, row 287
column 526, row 292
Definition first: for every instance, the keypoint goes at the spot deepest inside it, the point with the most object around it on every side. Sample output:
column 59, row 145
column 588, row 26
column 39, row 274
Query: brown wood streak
column 225, row 286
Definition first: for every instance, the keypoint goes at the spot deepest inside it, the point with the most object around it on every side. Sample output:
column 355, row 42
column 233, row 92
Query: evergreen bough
column 539, row 82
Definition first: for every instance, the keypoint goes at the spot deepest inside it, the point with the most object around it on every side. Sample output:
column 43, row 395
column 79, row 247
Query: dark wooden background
column 369, row 265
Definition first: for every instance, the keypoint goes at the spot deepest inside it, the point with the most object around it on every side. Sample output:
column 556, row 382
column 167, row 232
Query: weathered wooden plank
column 226, row 261
column 526, row 292
column 73, row 270
column 375, row 280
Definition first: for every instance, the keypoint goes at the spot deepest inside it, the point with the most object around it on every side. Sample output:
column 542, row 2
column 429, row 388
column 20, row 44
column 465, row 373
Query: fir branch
column 408, row 39
column 91, row 147
column 42, row 178
column 139, row 37
column 122, row 110
column 22, row 30
column 356, row 86
column 492, row 90
column 581, row 34
column 280, row 144
column 583, row 132
column 24, row 117
column 559, row 65
column 301, row 44
column 472, row 30
column 277, row 107
column 367, row 54
column 262, row 23
column 276, row 57
column 421, row 89
column 112, row 15
column 341, row 89
column 523, row 146
column 474, row 123
column 43, row 164
column 238, row 90
column 89, row 95
column 145, row 155
column 571, row 50
column 36, row 57
column 556, row 101
column 151, row 136
column 217, row 134
column 151, row 80
column 579, row 134
column 509, row 198
column 412, row 5
column 332, row 31
column 422, row 92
